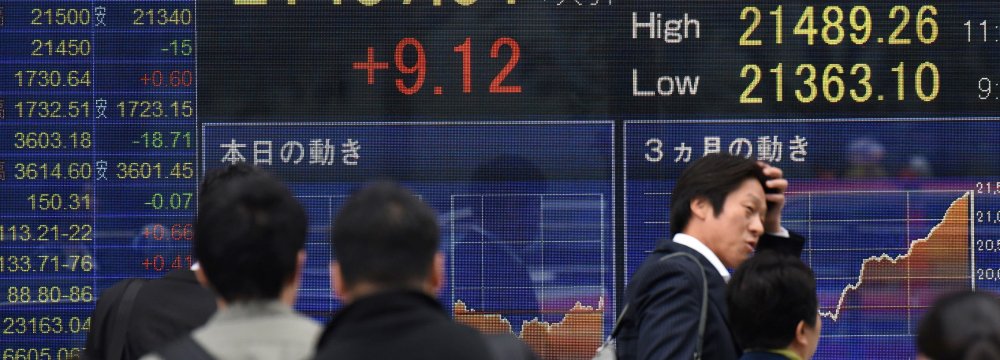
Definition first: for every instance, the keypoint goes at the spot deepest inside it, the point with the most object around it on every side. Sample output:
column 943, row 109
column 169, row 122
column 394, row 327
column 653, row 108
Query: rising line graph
column 951, row 231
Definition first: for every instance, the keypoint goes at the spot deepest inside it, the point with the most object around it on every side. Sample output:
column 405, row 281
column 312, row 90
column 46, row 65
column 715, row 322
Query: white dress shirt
column 697, row 245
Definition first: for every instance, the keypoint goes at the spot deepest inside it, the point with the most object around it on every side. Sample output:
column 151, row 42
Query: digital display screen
column 546, row 134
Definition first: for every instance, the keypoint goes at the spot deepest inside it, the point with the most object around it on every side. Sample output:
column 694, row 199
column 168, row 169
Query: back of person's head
column 384, row 236
column 219, row 178
column 961, row 326
column 248, row 237
column 713, row 177
column 771, row 298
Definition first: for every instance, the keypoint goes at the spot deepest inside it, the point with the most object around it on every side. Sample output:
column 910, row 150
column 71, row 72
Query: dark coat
column 666, row 305
column 164, row 310
column 399, row 325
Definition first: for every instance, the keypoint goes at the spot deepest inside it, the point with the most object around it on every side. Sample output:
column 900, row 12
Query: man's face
column 733, row 234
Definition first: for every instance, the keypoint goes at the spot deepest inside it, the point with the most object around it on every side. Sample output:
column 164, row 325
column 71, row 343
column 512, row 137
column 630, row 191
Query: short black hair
column 248, row 236
column 384, row 235
column 767, row 297
column 713, row 177
column 219, row 177
column 961, row 326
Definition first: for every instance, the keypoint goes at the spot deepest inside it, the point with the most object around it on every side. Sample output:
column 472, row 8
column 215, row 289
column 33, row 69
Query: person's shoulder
column 672, row 261
column 306, row 325
column 112, row 297
column 176, row 278
column 115, row 292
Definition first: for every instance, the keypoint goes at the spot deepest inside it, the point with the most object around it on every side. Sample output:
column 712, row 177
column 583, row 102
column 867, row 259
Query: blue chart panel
column 525, row 212
column 892, row 217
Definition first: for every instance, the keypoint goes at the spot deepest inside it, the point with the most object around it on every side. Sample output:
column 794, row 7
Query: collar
column 250, row 309
column 183, row 275
column 788, row 353
column 389, row 303
column 697, row 245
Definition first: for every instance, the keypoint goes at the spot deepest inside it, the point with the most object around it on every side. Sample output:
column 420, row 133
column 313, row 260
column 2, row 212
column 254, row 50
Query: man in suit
column 773, row 308
column 162, row 309
column 723, row 208
column 388, row 270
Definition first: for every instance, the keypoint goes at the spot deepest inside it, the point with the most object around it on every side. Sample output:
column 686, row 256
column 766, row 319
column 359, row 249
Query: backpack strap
column 628, row 313
column 122, row 317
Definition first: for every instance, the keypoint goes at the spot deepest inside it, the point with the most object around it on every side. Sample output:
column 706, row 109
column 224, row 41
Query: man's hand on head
column 775, row 197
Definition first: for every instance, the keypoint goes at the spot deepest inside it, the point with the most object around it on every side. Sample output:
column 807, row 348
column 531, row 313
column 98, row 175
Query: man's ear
column 701, row 208
column 300, row 265
column 801, row 338
column 337, row 282
column 199, row 274
column 436, row 279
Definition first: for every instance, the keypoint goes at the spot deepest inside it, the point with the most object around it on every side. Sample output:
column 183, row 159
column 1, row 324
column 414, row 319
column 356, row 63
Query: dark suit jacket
column 399, row 325
column 665, row 305
column 164, row 310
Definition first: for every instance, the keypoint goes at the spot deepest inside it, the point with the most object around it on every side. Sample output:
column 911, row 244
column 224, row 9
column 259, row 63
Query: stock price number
column 159, row 263
column 173, row 78
column 835, row 82
column 46, row 263
column 42, row 140
column 53, row 171
column 60, row 17
column 988, row 188
column 988, row 216
column 419, row 66
column 162, row 17
column 45, row 325
column 155, row 109
column 46, row 232
column 170, row 201
column 58, row 202
column 50, row 294
column 988, row 245
column 52, row 109
column 65, row 47
column 179, row 47
column 164, row 140
column 988, row 274
column 148, row 171
column 52, row 78
column 832, row 29
column 42, row 353
column 176, row 232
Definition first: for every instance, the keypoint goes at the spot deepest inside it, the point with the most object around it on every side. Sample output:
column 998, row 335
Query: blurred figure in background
column 773, row 308
column 961, row 326
column 865, row 159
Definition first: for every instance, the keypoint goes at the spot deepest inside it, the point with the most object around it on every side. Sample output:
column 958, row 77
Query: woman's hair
column 961, row 326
